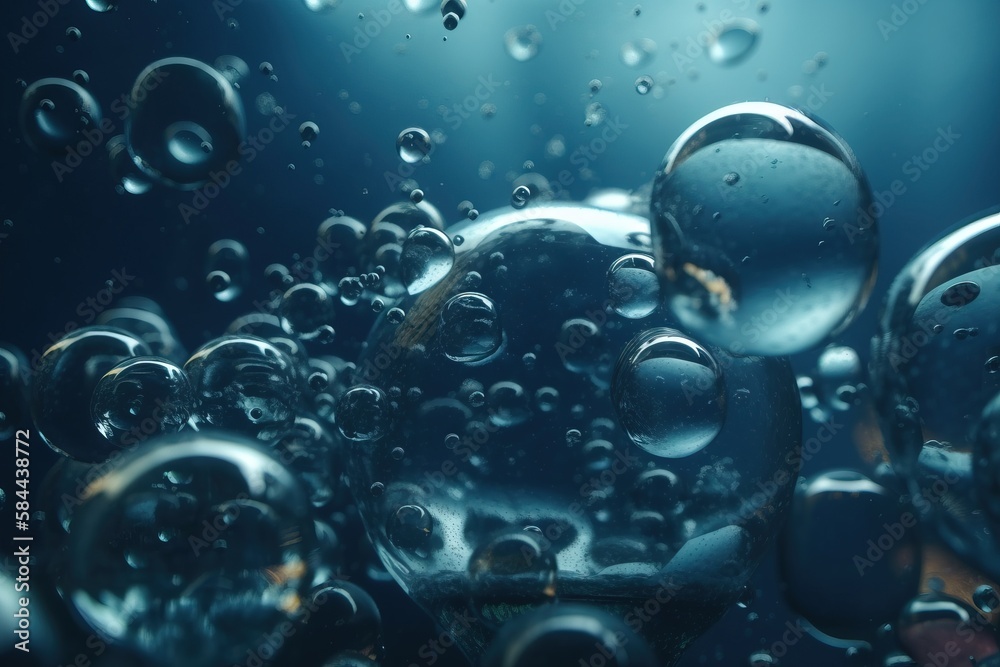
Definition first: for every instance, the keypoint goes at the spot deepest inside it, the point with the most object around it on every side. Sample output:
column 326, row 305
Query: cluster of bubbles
column 503, row 454
column 549, row 402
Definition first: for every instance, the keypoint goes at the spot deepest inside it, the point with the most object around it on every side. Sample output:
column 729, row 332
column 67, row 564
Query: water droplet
column 470, row 327
column 182, row 147
column 986, row 598
column 413, row 145
column 520, row 196
column 704, row 283
column 637, row 53
column 633, row 287
column 993, row 364
column 427, row 257
column 410, row 527
column 644, row 84
column 308, row 131
column 669, row 393
column 960, row 294
column 362, row 413
column 511, row 564
column 523, row 43
column 395, row 316
column 227, row 267
column 304, row 310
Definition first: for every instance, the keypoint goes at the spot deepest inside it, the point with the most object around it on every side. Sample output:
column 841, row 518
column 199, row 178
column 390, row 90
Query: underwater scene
column 481, row 333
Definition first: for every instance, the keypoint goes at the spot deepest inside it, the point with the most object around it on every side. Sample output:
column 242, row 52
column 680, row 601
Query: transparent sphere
column 58, row 114
column 244, row 384
column 934, row 381
column 427, row 257
column 850, row 554
column 187, row 121
column 340, row 623
column 306, row 310
column 932, row 625
column 64, row 384
column 669, row 393
column 227, row 269
column 633, row 291
column 139, row 398
column 482, row 390
column 191, row 549
column 523, row 42
column 125, row 173
column 763, row 231
column 734, row 42
column 234, row 68
column 413, row 145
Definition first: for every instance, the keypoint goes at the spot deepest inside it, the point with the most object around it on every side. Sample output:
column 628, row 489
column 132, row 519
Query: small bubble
column 986, row 598
column 395, row 315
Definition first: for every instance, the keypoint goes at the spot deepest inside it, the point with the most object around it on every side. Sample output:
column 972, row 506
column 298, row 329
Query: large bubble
column 244, row 384
column 191, row 550
column 850, row 554
column 187, row 121
column 934, row 373
column 57, row 114
column 761, row 230
column 482, row 431
column 64, row 384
